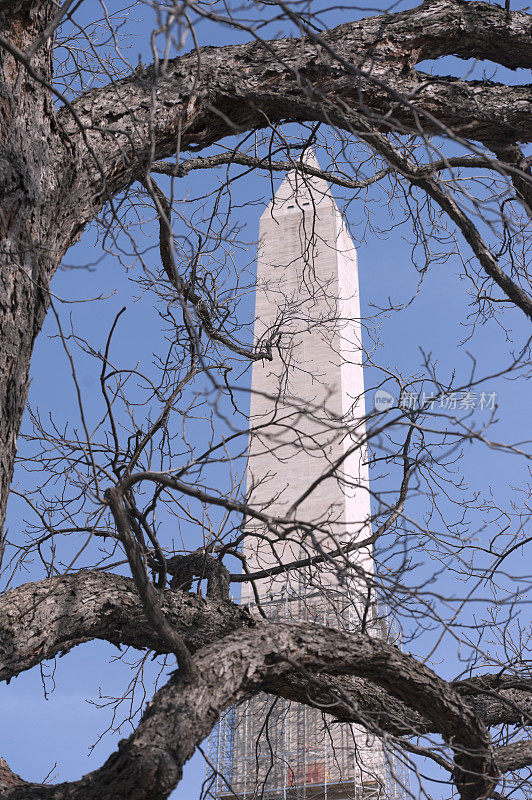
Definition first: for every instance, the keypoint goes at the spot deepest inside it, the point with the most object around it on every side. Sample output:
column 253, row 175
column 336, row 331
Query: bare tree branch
column 246, row 87
column 150, row 761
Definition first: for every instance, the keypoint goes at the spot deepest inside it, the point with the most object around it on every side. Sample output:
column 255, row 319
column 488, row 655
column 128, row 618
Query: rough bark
column 37, row 217
column 514, row 756
column 364, row 67
column 47, row 618
column 149, row 763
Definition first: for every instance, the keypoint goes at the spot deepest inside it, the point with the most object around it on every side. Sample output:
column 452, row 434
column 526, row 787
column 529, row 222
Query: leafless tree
column 94, row 143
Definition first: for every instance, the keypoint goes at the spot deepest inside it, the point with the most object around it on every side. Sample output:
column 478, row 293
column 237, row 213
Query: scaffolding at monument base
column 273, row 749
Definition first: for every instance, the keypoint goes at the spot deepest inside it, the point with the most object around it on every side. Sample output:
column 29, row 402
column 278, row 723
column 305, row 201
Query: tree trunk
column 33, row 195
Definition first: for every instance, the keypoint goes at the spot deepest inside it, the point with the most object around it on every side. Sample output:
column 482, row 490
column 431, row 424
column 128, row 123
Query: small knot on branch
column 184, row 568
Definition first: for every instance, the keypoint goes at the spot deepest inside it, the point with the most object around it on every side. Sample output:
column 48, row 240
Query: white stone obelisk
column 307, row 456
column 308, row 473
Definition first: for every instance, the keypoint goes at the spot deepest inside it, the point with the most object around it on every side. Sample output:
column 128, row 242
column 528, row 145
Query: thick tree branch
column 150, row 762
column 205, row 96
column 514, row 756
column 40, row 620
column 459, row 28
column 43, row 619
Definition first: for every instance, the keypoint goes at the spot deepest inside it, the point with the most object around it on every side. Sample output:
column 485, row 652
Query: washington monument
column 308, row 471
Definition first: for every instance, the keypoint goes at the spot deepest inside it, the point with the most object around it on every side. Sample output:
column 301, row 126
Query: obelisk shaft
column 307, row 405
column 307, row 471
